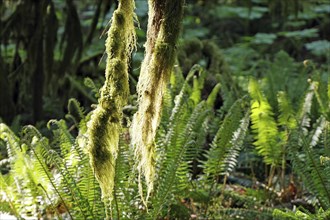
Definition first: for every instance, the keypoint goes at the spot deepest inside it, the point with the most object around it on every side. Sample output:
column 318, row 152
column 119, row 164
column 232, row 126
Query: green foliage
column 308, row 146
column 222, row 156
column 55, row 172
column 300, row 214
column 308, row 141
column 63, row 175
column 264, row 126
column 50, row 174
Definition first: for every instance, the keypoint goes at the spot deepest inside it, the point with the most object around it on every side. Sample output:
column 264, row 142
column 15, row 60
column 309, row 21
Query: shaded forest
column 165, row 109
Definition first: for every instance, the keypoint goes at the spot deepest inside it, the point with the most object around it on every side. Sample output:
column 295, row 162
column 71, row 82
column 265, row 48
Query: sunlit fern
column 56, row 173
column 264, row 126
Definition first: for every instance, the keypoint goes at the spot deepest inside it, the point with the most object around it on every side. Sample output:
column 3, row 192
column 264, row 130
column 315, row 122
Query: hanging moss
column 105, row 124
column 162, row 35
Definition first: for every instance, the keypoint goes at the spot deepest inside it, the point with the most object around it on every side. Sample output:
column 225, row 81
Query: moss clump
column 164, row 23
column 105, row 125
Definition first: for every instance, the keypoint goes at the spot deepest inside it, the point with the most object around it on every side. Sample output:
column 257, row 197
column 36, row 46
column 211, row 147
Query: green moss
column 100, row 152
column 105, row 125
column 163, row 32
column 119, row 19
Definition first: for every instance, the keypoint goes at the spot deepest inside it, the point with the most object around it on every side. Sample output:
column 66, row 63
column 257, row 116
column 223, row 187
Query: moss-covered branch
column 164, row 24
column 105, row 124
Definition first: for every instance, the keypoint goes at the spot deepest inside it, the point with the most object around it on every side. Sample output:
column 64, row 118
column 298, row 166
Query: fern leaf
column 286, row 117
column 264, row 126
column 240, row 213
column 11, row 140
column 307, row 163
column 316, row 135
column 230, row 161
column 8, row 199
column 125, row 190
column 179, row 147
column 66, row 185
column 76, row 112
column 213, row 95
column 226, row 141
column 279, row 214
column 90, row 84
column 304, row 111
column 198, row 85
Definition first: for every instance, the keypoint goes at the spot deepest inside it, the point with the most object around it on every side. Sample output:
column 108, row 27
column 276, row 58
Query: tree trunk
column 165, row 17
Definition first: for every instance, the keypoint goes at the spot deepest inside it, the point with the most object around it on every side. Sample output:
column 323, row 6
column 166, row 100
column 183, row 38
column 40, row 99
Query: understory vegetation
column 227, row 118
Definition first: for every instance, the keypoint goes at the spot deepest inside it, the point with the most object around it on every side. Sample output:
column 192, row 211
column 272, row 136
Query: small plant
column 50, row 177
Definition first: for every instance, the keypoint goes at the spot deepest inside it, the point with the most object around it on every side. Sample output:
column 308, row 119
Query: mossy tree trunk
column 164, row 24
column 105, row 125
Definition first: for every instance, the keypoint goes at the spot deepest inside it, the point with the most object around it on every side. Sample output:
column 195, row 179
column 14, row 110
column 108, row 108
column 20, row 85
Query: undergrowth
column 197, row 157
column 244, row 144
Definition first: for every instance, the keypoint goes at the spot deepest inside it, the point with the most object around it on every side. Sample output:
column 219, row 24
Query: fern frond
column 80, row 205
column 286, row 117
column 298, row 214
column 86, row 181
column 213, row 95
column 76, row 113
column 222, row 143
column 264, row 126
column 306, row 161
column 198, row 85
column 8, row 196
column 126, row 190
column 43, row 161
column 230, row 161
column 23, row 171
column 321, row 126
column 179, row 147
column 237, row 213
column 62, row 137
column 305, row 109
column 91, row 85
column 11, row 140
column 66, row 176
column 279, row 214
column 183, row 94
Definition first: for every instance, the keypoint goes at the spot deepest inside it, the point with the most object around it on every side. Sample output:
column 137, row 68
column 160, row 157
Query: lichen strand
column 116, row 84
column 103, row 146
column 163, row 31
column 116, row 47
column 105, row 125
